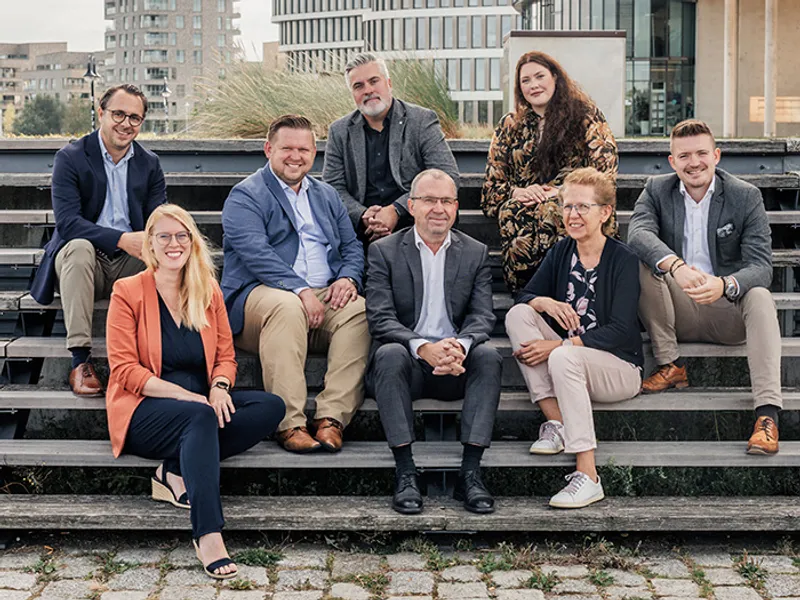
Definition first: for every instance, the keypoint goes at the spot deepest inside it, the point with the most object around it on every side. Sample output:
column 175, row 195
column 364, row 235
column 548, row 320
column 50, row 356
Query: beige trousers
column 670, row 317
column 276, row 328
column 84, row 276
column 575, row 376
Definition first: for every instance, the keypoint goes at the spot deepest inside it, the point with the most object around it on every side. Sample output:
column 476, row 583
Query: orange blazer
column 133, row 341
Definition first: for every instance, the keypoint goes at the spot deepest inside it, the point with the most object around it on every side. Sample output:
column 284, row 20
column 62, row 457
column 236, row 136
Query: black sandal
column 217, row 564
column 163, row 492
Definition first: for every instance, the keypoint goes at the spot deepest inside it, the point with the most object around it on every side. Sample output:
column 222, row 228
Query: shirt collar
column 709, row 192
column 419, row 242
column 285, row 186
column 109, row 158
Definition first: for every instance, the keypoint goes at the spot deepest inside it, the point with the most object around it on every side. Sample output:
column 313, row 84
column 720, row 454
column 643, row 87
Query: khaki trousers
column 575, row 376
column 84, row 276
column 670, row 317
column 276, row 328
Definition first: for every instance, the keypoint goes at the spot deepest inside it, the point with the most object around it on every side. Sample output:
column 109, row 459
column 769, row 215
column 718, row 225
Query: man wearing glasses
column 429, row 310
column 105, row 185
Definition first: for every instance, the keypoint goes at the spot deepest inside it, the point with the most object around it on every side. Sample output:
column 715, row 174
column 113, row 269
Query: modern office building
column 177, row 42
column 16, row 59
column 463, row 37
column 61, row 75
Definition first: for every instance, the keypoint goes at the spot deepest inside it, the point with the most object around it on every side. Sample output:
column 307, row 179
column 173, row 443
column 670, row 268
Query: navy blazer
column 79, row 194
column 261, row 239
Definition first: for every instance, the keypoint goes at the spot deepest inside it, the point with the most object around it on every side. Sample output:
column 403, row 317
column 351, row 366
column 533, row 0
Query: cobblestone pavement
column 58, row 567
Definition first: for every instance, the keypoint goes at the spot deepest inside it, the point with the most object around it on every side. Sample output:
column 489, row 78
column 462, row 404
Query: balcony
column 158, row 5
column 154, row 22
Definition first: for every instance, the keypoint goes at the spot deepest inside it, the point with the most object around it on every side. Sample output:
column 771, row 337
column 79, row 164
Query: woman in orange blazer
column 170, row 351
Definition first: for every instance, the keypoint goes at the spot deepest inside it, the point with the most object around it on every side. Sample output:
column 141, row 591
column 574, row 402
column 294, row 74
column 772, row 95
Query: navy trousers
column 186, row 435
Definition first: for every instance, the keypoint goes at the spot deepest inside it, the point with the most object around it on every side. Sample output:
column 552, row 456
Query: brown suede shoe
column 328, row 432
column 667, row 376
column 84, row 381
column 297, row 440
column 765, row 437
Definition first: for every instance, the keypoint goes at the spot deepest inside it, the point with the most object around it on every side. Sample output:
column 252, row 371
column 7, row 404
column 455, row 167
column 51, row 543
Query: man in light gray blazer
column 429, row 311
column 704, row 240
column 374, row 153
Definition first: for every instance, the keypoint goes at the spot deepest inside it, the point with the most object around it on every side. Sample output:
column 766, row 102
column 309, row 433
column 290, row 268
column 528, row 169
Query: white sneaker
column 551, row 439
column 580, row 491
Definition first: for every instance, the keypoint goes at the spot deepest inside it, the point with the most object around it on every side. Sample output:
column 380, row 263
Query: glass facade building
column 660, row 51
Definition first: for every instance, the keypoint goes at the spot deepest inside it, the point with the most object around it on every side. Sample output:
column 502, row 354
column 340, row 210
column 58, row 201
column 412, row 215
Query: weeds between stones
column 752, row 571
column 545, row 582
column 601, row 578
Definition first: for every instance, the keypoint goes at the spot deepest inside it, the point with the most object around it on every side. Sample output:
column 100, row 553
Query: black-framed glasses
column 165, row 239
column 433, row 201
column 119, row 116
column 582, row 207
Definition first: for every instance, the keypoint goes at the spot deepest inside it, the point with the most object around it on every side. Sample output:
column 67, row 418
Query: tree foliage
column 41, row 116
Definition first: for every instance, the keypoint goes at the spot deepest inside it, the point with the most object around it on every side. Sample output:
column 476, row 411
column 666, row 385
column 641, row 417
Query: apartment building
column 16, row 59
column 61, row 75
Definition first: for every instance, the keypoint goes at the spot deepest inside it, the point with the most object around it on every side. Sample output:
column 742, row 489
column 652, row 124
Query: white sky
column 80, row 23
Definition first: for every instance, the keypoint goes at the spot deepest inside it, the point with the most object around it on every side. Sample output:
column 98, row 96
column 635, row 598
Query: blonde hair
column 605, row 190
column 198, row 275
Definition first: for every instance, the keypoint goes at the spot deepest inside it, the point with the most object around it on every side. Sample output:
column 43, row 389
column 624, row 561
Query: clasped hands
column 701, row 287
column 534, row 352
column 445, row 356
column 339, row 293
column 534, row 194
column 379, row 221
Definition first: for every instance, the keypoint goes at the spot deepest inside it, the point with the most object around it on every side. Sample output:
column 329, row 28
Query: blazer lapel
column 94, row 156
column 714, row 213
column 452, row 262
column 358, row 146
column 152, row 321
column 411, row 253
column 397, row 130
column 678, row 218
column 275, row 187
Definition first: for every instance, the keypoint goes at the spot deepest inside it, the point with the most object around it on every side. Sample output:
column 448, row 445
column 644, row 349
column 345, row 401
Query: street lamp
column 166, row 93
column 91, row 75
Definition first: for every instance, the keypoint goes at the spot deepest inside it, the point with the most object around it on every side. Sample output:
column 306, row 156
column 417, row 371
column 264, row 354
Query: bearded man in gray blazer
column 374, row 153
column 429, row 311
column 704, row 240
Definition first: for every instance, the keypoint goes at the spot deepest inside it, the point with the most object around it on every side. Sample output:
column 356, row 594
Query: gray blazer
column 416, row 143
column 739, row 237
column 395, row 289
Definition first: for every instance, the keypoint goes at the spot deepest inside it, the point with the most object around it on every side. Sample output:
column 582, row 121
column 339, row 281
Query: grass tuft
column 601, row 578
column 752, row 571
column 543, row 581
column 258, row 557
column 242, row 584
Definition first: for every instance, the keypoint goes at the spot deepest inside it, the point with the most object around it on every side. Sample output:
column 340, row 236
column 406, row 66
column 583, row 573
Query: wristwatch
column 353, row 281
column 731, row 290
column 567, row 342
column 223, row 385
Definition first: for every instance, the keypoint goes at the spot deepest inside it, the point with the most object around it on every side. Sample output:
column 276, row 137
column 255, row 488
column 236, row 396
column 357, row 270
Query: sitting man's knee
column 78, row 250
column 486, row 357
column 392, row 356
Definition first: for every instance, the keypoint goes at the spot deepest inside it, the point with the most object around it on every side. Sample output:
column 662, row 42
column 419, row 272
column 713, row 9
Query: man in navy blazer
column 293, row 269
column 105, row 185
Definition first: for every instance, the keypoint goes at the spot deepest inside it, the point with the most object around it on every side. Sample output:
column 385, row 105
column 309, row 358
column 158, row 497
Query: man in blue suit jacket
column 293, row 268
column 104, row 188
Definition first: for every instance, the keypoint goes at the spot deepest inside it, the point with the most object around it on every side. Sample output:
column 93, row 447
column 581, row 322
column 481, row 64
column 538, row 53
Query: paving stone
column 670, row 567
column 679, row 598
column 295, row 558
column 461, row 573
column 782, row 586
column 775, row 564
column 345, row 564
column 240, row 595
column 306, row 595
column 460, row 556
column 304, row 578
column 186, row 577
column 519, row 595
column 349, row 591
column 68, row 589
column 140, row 556
column 124, row 596
column 406, row 561
column 457, row 591
column 724, row 577
column 705, row 558
column 510, row 579
column 407, row 598
column 576, row 597
column 188, row 593
column 17, row 581
column 14, row 595
column 257, row 575
column 626, row 578
column 76, row 567
column 566, row 572
column 18, row 560
column 183, row 557
column 675, row 587
column 736, row 593
column 410, row 583
column 574, row 586
column 142, row 578
column 616, row 592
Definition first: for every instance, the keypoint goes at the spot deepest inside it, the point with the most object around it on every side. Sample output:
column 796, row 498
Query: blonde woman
column 172, row 363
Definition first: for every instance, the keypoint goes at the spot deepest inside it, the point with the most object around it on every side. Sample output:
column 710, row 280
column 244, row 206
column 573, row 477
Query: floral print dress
column 581, row 295
column 527, row 234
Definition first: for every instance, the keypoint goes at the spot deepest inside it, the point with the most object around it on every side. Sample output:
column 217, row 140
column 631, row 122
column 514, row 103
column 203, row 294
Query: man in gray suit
column 429, row 310
column 704, row 240
column 374, row 153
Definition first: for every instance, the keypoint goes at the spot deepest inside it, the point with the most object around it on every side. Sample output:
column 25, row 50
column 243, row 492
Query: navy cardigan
column 616, row 299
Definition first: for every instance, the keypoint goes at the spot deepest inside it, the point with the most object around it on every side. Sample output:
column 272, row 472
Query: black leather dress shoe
column 471, row 491
column 407, row 497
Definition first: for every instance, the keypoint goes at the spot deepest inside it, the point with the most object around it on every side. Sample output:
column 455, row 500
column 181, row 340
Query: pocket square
column 725, row 230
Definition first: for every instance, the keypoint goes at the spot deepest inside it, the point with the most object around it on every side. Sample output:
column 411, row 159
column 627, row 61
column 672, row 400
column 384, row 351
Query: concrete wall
column 710, row 48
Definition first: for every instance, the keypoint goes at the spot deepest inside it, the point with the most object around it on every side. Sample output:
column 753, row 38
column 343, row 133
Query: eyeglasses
column 582, row 208
column 165, row 239
column 119, row 116
column 431, row 201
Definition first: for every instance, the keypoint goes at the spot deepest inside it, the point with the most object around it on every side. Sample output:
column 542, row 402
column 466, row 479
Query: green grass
column 374, row 583
column 543, row 581
column 242, row 584
column 258, row 557
column 601, row 578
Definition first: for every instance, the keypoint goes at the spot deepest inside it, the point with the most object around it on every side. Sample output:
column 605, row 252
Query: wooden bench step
column 427, row 455
column 343, row 513
column 693, row 399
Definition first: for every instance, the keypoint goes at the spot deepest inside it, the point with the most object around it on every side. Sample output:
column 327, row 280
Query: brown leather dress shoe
column 297, row 440
column 328, row 432
column 667, row 376
column 765, row 437
column 84, row 381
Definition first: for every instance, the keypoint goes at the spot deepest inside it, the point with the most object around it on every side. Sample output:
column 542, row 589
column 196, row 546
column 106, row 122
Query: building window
column 469, row 108
column 421, row 41
column 408, row 25
column 221, row 43
column 494, row 73
column 505, row 26
column 448, row 32
column 436, row 33
column 473, row 3
column 480, row 74
column 197, row 39
column 197, row 22
column 452, row 74
column 198, row 6
column 221, row 6
column 462, row 32
column 491, row 31
column 466, row 73
column 477, row 34
column 179, row 22
column 197, row 55
column 180, row 56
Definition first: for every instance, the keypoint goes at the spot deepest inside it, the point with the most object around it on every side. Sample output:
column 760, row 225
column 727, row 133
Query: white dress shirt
column 434, row 324
column 116, row 211
column 312, row 254
column 695, row 230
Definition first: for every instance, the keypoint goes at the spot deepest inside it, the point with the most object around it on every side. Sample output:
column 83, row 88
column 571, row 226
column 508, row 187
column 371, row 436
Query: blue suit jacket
column 79, row 194
column 261, row 239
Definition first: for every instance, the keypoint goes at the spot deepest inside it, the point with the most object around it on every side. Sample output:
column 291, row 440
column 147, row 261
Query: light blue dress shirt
column 115, row 213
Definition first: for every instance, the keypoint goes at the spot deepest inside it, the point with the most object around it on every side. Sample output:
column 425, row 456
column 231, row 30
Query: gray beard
column 373, row 110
